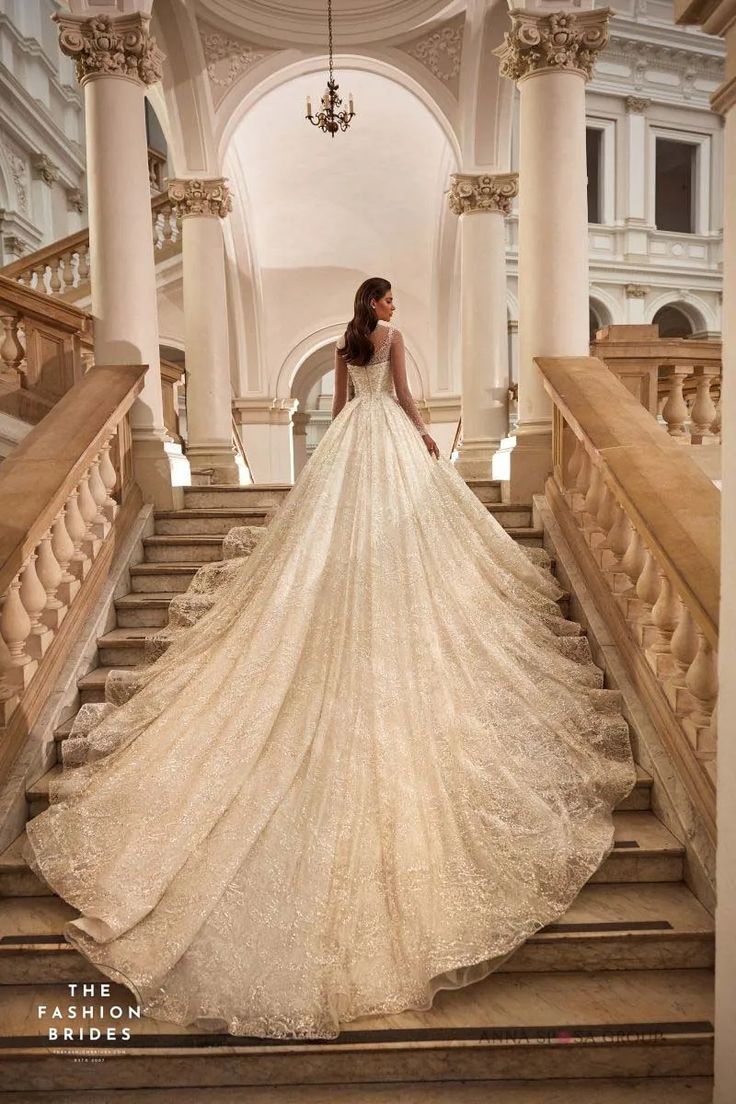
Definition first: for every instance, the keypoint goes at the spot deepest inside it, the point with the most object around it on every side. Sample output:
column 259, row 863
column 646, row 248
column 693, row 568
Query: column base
column 212, row 464
column 152, row 468
column 476, row 457
column 530, row 463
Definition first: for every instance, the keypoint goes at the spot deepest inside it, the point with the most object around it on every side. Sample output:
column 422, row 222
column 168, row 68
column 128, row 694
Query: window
column 594, row 161
column 674, row 186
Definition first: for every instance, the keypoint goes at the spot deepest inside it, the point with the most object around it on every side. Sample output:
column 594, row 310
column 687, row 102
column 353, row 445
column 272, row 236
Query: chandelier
column 330, row 118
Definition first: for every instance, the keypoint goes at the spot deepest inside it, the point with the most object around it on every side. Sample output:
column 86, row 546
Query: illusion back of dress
column 374, row 377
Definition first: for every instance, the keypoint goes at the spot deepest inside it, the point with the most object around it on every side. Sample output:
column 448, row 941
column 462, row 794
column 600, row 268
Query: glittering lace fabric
column 371, row 760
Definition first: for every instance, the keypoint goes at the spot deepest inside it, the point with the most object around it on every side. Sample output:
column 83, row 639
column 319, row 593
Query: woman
column 370, row 771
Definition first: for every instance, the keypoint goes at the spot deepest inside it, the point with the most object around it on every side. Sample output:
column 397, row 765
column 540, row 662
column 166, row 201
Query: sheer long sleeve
column 401, row 385
column 340, row 396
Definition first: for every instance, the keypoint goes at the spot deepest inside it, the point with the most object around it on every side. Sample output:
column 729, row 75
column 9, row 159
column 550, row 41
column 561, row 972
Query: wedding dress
column 369, row 771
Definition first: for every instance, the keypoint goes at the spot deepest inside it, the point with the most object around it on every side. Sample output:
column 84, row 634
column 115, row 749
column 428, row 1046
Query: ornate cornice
column 209, row 198
column 107, row 46
column 482, row 192
column 636, row 105
column 562, row 40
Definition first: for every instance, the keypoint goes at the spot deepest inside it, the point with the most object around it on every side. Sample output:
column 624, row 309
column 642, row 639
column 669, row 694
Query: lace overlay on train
column 370, row 763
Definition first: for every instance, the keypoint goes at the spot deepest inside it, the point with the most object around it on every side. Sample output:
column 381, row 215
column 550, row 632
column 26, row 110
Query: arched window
column 672, row 322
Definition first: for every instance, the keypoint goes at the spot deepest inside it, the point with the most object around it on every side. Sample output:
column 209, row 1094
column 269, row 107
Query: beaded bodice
column 375, row 376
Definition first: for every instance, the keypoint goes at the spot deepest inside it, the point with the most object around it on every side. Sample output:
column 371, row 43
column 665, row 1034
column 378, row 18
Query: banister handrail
column 69, row 244
column 676, row 506
column 44, row 308
column 52, row 458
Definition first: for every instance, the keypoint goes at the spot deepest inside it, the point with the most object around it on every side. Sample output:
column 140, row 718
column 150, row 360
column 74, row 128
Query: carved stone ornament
column 75, row 200
column 112, row 47
column 203, row 198
column 636, row 291
column 441, row 52
column 45, row 169
column 636, row 105
column 482, row 192
column 562, row 40
column 228, row 58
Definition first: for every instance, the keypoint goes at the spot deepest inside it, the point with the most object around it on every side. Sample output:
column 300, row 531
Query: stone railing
column 643, row 522
column 43, row 350
column 676, row 379
column 63, row 268
column 66, row 495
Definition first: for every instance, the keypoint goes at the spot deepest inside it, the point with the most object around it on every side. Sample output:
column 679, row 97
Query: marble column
column 481, row 200
column 116, row 58
column 267, row 428
column 202, row 205
column 550, row 56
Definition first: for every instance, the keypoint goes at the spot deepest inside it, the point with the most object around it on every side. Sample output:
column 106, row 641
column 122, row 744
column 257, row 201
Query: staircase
column 613, row 1002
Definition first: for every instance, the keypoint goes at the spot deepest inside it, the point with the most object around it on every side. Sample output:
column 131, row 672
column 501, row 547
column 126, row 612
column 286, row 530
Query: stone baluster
column 15, row 625
column 647, row 591
column 98, row 492
column 50, row 574
column 703, row 412
column 665, row 617
column 77, row 529
column 702, row 683
column 83, row 263
column 573, row 468
column 88, row 511
column 68, row 273
column 632, row 566
column 56, row 281
column 591, row 504
column 63, row 549
column 39, row 272
column 605, row 517
column 109, row 479
column 616, row 543
column 683, row 645
column 582, row 483
column 33, row 596
column 675, row 412
column 12, row 353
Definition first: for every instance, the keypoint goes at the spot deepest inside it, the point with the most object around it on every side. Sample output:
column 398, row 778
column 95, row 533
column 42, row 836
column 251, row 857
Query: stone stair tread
column 550, row 1001
column 213, row 512
column 94, row 679
column 508, row 507
column 183, row 538
column 119, row 638
column 156, row 599
column 171, row 567
column 524, row 531
column 247, row 488
column 657, row 901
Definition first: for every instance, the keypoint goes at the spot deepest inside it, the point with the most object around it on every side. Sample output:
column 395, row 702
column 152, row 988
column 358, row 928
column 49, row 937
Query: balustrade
column 59, row 533
column 644, row 522
column 63, row 268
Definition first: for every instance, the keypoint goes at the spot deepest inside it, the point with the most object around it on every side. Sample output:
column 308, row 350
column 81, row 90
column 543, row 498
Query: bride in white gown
column 370, row 771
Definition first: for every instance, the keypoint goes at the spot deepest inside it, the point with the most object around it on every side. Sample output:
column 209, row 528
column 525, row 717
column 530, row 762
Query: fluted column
column 550, row 56
column 202, row 205
column 481, row 200
column 116, row 58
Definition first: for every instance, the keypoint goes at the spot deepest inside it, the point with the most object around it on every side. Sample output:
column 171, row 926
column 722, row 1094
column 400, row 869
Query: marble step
column 147, row 578
column 487, row 490
column 615, row 1023
column 512, row 515
column 208, row 521
column 612, row 927
column 123, row 647
column 564, row 1090
column 644, row 851
column 92, row 685
column 151, row 611
column 222, row 496
column 526, row 535
column 185, row 548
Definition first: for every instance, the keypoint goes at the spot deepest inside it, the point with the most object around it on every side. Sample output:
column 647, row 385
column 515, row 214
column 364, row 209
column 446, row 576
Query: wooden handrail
column 674, row 505
column 36, row 480
column 44, row 308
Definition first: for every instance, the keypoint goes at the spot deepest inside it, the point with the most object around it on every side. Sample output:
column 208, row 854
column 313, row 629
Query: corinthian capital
column 560, row 40
column 210, row 198
column 481, row 192
column 111, row 46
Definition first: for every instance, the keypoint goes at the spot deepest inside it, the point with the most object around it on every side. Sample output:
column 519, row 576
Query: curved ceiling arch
column 304, row 22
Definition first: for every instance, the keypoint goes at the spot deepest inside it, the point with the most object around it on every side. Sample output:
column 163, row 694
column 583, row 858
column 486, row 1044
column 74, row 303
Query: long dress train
column 371, row 770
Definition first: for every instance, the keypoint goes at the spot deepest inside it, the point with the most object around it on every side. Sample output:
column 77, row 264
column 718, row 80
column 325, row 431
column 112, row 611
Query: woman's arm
column 340, row 396
column 397, row 356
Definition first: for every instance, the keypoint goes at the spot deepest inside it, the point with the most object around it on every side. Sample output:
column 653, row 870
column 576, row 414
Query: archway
column 673, row 322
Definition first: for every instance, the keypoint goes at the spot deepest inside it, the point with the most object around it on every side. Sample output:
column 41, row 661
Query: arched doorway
column 672, row 322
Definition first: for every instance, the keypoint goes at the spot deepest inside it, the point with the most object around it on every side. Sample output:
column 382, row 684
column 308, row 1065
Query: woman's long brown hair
column 358, row 346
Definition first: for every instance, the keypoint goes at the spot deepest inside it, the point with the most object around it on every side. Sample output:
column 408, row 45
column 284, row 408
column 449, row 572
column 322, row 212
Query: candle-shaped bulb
column 350, row 103
column 309, row 106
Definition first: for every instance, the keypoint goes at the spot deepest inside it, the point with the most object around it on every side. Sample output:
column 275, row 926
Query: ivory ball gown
column 369, row 771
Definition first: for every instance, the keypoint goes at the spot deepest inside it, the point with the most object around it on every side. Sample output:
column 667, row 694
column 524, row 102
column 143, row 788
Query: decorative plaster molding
column 440, row 51
column 120, row 46
column 561, row 40
column 45, row 169
column 14, row 245
column 636, row 291
column 636, row 105
column 688, row 65
column 482, row 192
column 228, row 58
column 201, row 198
column 75, row 200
